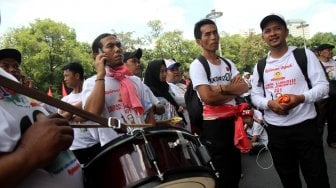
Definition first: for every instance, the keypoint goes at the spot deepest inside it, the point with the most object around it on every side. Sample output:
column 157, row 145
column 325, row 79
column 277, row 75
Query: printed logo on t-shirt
column 226, row 77
column 331, row 71
column 65, row 160
column 12, row 97
column 280, row 78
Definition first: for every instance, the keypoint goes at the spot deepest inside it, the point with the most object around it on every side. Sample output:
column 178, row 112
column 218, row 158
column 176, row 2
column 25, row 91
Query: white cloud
column 241, row 14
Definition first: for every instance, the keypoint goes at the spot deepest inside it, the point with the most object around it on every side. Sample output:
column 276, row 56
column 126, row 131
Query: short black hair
column 97, row 44
column 199, row 24
column 75, row 67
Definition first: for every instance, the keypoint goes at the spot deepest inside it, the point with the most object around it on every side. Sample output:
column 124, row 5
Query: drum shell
column 124, row 162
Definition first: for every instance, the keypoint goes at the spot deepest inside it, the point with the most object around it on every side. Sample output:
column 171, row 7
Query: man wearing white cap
column 294, row 141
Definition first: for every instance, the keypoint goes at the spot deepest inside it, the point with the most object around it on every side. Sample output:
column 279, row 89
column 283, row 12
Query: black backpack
column 193, row 103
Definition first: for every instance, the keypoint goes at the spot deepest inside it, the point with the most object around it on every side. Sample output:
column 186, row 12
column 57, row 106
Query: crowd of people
column 51, row 153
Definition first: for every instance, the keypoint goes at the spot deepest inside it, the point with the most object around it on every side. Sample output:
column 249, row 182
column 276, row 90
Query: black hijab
column 159, row 89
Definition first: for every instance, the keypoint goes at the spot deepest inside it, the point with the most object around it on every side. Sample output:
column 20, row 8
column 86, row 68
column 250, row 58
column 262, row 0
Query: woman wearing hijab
column 155, row 79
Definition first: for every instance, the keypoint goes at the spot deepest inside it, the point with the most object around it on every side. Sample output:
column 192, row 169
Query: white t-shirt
column 170, row 110
column 257, row 114
column 330, row 68
column 154, row 100
column 17, row 112
column 178, row 91
column 83, row 137
column 257, row 130
column 114, row 106
column 219, row 74
column 283, row 76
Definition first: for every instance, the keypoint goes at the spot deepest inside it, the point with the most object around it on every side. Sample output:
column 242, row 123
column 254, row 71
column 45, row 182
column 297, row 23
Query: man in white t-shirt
column 294, row 141
column 33, row 148
column 326, row 107
column 219, row 107
column 85, row 146
column 114, row 91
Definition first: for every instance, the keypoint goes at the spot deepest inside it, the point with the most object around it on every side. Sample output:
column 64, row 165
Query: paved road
column 255, row 177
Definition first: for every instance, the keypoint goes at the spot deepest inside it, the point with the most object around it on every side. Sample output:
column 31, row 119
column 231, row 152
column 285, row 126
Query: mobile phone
column 100, row 51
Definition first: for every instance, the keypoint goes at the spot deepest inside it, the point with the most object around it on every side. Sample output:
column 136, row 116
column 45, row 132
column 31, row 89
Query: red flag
column 50, row 92
column 64, row 92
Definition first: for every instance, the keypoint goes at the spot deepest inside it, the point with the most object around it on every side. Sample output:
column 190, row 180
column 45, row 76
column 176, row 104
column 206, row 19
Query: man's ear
column 287, row 32
column 198, row 41
column 262, row 36
column 77, row 76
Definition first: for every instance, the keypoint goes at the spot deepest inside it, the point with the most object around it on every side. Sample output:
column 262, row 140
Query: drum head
column 193, row 178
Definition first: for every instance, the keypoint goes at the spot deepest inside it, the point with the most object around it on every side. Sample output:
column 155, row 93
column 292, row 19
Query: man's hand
column 44, row 140
column 276, row 107
column 237, row 86
column 294, row 101
column 100, row 65
column 282, row 108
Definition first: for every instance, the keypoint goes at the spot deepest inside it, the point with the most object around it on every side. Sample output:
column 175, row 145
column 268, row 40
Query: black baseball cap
column 136, row 54
column 10, row 53
column 325, row 46
column 272, row 17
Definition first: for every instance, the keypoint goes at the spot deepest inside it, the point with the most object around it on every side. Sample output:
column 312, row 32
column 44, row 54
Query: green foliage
column 126, row 39
column 295, row 41
column 252, row 49
column 46, row 46
column 321, row 38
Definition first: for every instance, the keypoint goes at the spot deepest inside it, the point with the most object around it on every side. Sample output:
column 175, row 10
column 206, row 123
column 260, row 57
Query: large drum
column 153, row 157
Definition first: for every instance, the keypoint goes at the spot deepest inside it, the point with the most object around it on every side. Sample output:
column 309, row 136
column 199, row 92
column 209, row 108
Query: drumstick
column 35, row 94
column 85, row 125
column 102, row 122
column 102, row 126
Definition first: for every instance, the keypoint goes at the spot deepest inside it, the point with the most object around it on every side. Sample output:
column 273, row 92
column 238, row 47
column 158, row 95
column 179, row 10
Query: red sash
column 241, row 141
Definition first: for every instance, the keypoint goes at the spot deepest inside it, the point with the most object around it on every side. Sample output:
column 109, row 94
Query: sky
column 90, row 18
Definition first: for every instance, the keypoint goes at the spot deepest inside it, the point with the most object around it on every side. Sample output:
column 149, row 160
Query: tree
column 172, row 45
column 295, row 41
column 251, row 50
column 231, row 46
column 46, row 46
column 156, row 29
column 126, row 39
column 320, row 38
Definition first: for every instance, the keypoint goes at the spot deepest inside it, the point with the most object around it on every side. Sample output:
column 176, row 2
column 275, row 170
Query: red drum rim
column 162, row 129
